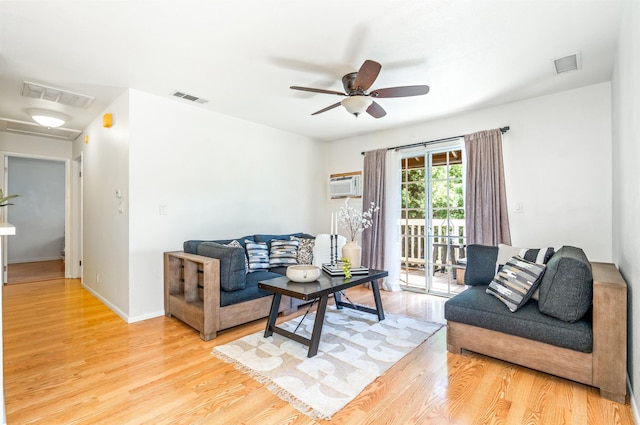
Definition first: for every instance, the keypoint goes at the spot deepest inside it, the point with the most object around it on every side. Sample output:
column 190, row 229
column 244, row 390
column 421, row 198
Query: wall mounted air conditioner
column 345, row 185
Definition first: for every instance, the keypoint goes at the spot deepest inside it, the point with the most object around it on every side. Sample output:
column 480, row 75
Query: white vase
column 353, row 252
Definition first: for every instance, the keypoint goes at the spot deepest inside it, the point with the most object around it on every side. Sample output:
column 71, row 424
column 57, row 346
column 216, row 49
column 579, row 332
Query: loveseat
column 571, row 322
column 213, row 284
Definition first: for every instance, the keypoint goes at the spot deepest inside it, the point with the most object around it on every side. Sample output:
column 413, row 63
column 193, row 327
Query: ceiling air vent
column 52, row 94
column 189, row 97
column 567, row 63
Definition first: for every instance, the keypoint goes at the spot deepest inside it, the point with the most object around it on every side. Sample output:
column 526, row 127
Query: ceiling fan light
column 48, row 118
column 356, row 104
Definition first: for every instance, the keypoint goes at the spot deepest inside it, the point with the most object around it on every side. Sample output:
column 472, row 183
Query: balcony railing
column 447, row 240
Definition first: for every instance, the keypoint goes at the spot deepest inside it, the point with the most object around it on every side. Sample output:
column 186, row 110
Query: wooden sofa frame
column 192, row 294
column 604, row 368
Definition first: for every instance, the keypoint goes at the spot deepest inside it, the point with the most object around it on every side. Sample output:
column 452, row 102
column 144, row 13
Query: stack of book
column 336, row 269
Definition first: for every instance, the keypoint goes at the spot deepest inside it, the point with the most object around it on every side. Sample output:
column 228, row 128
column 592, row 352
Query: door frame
column 6, row 216
column 426, row 152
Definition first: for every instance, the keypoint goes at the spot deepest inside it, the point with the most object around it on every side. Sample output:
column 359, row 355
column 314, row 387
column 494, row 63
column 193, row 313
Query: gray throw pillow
column 232, row 268
column 481, row 264
column 566, row 289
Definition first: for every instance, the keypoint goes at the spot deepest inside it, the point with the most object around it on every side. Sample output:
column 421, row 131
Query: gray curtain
column 486, row 215
column 374, row 191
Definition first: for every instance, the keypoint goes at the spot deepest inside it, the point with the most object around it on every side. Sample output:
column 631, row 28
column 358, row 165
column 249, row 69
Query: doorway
column 432, row 221
column 38, row 248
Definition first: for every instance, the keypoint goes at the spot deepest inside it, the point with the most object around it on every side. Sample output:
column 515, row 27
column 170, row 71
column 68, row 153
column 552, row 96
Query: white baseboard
column 146, row 316
column 632, row 402
column 33, row 260
column 121, row 313
column 106, row 302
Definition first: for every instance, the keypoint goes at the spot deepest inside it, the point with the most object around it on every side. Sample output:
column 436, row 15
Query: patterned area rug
column 354, row 350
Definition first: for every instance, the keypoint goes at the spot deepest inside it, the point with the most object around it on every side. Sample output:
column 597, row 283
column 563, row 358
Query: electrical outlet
column 97, row 277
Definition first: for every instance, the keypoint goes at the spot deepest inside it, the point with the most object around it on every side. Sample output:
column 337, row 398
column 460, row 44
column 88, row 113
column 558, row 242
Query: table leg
column 338, row 297
column 317, row 326
column 376, row 296
column 273, row 314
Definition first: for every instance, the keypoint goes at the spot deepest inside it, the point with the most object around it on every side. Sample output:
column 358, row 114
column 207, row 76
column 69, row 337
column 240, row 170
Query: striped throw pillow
column 516, row 282
column 539, row 256
column 283, row 253
column 258, row 254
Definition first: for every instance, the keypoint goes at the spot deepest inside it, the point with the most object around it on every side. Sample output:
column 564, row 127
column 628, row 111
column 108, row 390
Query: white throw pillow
column 322, row 249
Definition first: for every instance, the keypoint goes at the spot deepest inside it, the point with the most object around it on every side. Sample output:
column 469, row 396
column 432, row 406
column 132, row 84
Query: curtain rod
column 446, row 139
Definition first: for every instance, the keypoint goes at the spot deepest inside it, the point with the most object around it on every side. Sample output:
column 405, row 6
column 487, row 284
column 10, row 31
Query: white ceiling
column 242, row 56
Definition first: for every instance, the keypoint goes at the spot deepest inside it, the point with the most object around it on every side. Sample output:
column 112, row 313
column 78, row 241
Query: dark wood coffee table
column 320, row 290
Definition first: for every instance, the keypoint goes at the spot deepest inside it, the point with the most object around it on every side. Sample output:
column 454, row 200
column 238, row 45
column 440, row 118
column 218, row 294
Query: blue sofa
column 576, row 329
column 226, row 294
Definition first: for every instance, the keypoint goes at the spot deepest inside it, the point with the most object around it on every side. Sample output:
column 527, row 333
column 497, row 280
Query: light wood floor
column 68, row 359
column 35, row 271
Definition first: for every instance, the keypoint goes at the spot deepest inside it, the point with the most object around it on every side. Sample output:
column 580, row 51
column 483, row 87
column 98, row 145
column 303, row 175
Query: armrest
column 185, row 272
column 609, row 331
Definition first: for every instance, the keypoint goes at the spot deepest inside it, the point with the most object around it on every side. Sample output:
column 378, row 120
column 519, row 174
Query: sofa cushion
column 566, row 289
column 283, row 253
column 251, row 290
column 481, row 264
column 269, row 238
column 191, row 246
column 516, row 282
column 258, row 254
column 239, row 245
column 305, row 249
column 474, row 307
column 232, row 268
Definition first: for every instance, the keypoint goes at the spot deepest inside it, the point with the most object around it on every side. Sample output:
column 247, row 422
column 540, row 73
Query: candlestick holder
column 331, row 258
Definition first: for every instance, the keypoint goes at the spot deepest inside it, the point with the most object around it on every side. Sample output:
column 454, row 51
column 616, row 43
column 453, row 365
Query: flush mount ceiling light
column 46, row 118
column 357, row 104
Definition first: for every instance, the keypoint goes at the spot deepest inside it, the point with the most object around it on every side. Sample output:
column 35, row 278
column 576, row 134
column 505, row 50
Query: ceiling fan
column 358, row 99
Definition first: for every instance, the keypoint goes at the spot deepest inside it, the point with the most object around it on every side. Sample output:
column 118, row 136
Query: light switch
column 164, row 210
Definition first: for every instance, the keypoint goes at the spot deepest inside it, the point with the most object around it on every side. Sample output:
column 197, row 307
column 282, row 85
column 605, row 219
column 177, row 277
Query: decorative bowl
column 303, row 273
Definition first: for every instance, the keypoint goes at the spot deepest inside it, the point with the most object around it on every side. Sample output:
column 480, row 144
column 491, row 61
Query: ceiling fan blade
column 367, row 74
column 317, row 90
column 403, row 91
column 335, row 105
column 376, row 111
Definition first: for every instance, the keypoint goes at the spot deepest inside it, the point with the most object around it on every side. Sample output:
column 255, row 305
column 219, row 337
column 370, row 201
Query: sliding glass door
column 432, row 227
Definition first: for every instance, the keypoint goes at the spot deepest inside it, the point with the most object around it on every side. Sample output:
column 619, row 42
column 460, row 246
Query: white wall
column 105, row 262
column 35, row 145
column 626, row 176
column 218, row 176
column 557, row 159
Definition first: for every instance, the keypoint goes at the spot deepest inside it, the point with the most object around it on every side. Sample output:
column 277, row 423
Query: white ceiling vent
column 52, row 94
column 189, row 97
column 567, row 63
